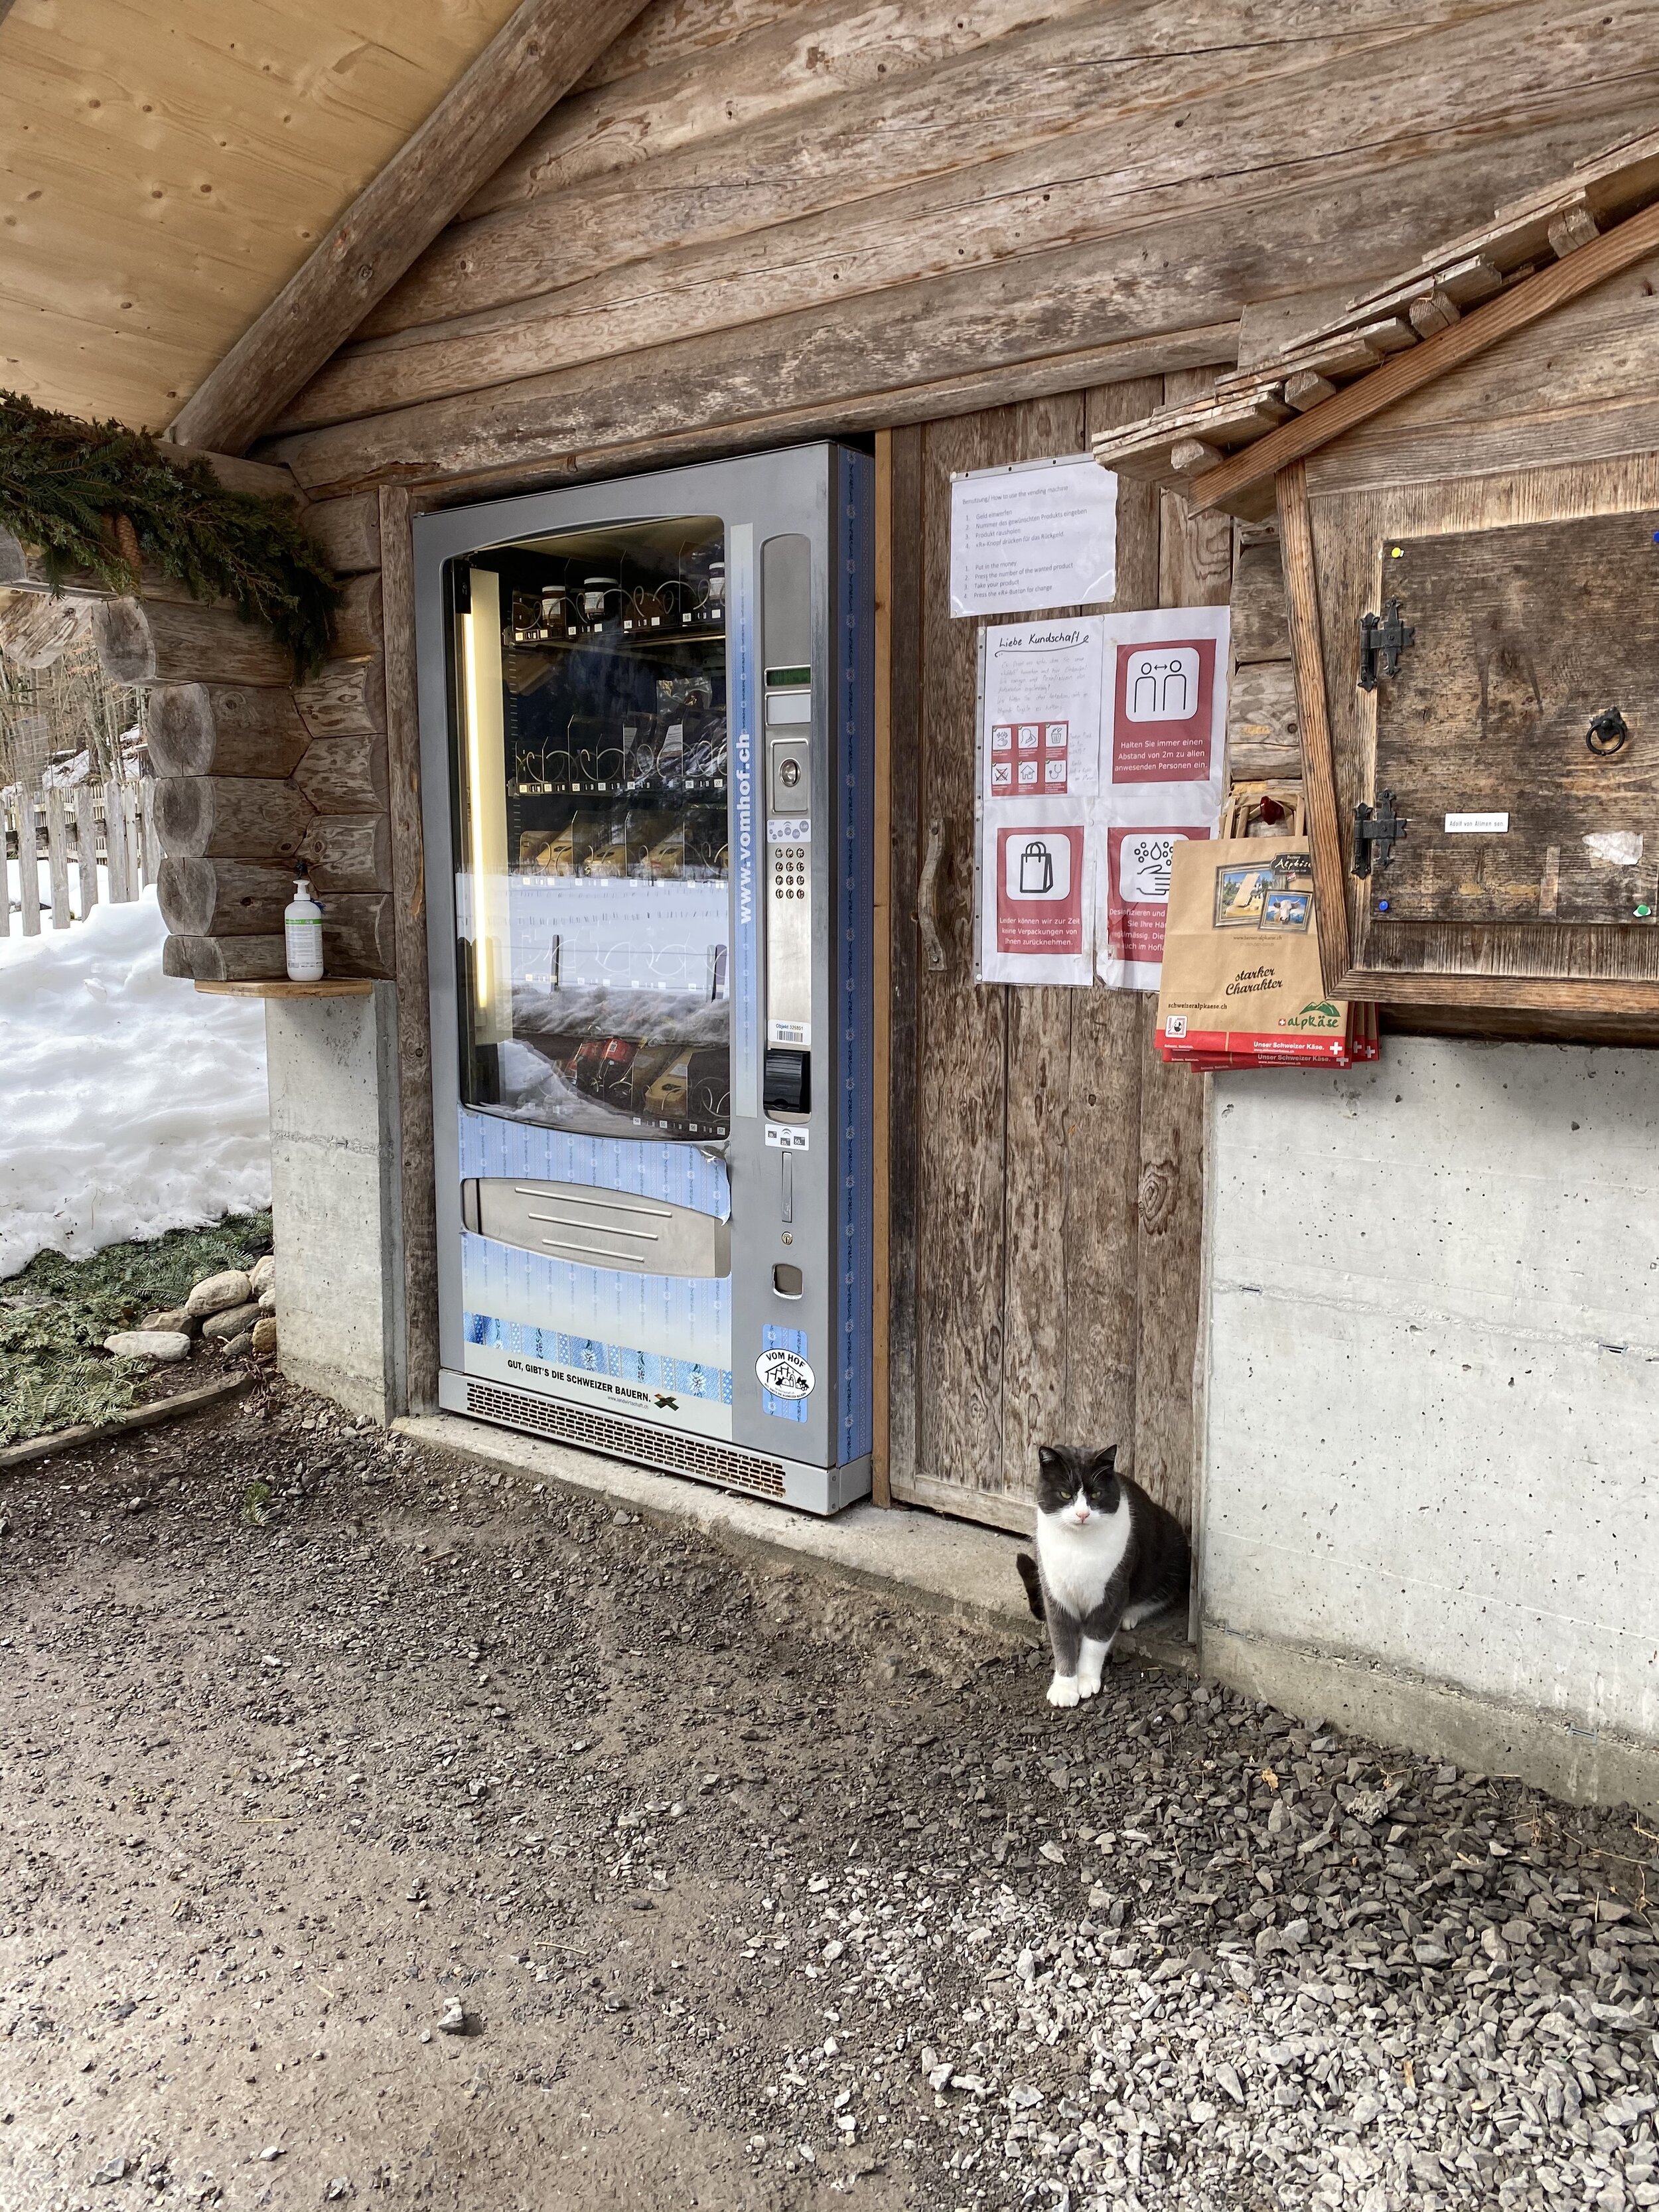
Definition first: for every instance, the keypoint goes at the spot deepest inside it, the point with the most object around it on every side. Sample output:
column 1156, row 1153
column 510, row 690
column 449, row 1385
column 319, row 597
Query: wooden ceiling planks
column 539, row 53
column 168, row 164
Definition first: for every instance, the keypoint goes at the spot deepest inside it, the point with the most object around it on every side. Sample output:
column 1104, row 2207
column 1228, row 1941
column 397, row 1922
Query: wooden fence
column 114, row 823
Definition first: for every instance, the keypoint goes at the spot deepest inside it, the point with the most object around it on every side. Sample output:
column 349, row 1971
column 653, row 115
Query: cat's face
column 1076, row 1485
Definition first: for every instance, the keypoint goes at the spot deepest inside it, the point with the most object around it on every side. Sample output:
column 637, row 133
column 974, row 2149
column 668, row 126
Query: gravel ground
column 748, row 1890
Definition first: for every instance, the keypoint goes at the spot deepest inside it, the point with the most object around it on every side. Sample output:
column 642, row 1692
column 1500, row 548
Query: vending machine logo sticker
column 785, row 1373
column 1139, row 862
column 1164, row 711
column 1039, row 875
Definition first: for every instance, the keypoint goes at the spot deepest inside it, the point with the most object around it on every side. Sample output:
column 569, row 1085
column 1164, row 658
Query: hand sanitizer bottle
column 302, row 929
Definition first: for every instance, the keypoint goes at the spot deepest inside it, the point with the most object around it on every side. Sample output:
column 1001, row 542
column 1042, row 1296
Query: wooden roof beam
column 542, row 49
column 1245, row 475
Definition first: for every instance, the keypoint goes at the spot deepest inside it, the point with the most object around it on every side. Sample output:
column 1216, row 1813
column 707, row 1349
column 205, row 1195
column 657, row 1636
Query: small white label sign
column 1483, row 825
column 783, row 1137
column 785, row 1373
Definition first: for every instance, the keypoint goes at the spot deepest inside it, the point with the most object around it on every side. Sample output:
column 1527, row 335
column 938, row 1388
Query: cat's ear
column 1106, row 1461
column 1048, row 1458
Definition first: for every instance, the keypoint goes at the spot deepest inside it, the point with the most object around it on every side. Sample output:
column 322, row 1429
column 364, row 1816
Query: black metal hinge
column 1376, row 830
column 1383, row 639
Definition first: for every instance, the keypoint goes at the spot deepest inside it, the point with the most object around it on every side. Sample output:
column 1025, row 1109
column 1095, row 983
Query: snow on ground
column 129, row 1103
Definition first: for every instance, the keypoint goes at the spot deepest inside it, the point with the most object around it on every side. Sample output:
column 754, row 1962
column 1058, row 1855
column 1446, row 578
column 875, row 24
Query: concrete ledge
column 959, row 1568
column 1584, row 1765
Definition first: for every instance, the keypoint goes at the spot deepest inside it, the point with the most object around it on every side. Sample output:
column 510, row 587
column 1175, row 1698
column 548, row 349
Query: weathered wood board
column 757, row 222
column 1528, row 699
column 1047, row 1178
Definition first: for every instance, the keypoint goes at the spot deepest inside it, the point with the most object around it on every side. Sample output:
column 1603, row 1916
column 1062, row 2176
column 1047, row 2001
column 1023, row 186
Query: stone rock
column 263, row 1274
column 176, row 1320
column 161, row 1344
column 451, row 2021
column 268, row 1300
column 229, row 1322
column 264, row 1337
column 218, row 1293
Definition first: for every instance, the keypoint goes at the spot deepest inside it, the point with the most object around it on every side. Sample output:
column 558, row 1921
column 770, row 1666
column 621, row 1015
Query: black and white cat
column 1108, row 1556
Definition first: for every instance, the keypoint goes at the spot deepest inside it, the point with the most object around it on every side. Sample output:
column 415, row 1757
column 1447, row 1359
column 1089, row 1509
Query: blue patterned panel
column 784, row 1339
column 855, row 702
column 676, row 1317
column 587, row 1355
column 491, row 1145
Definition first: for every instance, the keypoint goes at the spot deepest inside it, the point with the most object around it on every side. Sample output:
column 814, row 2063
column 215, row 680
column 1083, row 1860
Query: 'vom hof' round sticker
column 785, row 1373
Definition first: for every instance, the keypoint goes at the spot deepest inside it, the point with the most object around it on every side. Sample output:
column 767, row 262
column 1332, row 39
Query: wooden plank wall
column 757, row 220
column 1046, row 1168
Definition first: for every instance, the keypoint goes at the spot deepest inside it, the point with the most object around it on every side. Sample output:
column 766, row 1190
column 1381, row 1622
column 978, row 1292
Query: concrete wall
column 1432, row 1394
column 336, row 1184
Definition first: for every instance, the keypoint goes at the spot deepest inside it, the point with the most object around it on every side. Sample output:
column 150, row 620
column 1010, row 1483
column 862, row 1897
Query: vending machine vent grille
column 628, row 1440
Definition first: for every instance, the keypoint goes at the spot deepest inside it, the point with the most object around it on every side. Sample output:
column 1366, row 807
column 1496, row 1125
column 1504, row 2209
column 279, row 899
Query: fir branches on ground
column 97, row 498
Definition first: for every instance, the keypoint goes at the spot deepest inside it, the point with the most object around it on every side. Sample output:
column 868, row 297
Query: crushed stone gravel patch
column 374, row 1826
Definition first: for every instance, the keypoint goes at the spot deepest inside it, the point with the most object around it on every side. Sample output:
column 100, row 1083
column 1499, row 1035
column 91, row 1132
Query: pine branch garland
column 98, row 498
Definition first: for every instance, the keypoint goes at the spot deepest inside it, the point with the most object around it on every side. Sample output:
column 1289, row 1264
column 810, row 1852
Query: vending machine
column 646, row 713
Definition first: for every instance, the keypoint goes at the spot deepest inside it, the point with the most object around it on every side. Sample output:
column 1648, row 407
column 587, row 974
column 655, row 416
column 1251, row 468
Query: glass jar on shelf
column 600, row 601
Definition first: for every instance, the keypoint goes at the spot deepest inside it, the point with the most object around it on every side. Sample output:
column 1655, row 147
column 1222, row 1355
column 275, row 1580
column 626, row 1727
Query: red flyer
column 1164, row 711
column 1039, row 889
column 1137, row 898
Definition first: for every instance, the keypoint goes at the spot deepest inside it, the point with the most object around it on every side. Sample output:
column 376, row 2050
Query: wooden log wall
column 754, row 223
column 255, row 772
column 1264, row 737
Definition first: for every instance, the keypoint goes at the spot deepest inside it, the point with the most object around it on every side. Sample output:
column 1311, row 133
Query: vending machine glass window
column 592, row 781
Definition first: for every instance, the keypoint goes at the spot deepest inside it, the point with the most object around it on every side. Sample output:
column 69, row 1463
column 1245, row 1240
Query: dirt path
column 752, row 1893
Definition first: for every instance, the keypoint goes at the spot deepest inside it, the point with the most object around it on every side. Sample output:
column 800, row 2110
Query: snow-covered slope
column 129, row 1103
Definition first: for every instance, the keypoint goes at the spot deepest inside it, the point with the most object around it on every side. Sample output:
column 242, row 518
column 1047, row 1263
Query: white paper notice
column 1101, row 744
column 1041, row 708
column 1027, row 537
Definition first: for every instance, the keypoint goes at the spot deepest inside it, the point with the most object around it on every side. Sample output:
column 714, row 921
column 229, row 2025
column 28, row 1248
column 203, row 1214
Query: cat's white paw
column 1091, row 1665
column 1063, row 1690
